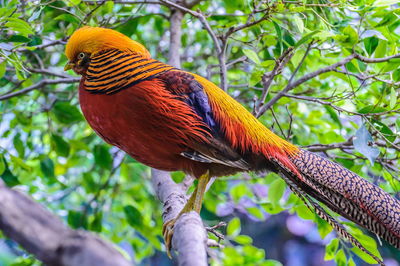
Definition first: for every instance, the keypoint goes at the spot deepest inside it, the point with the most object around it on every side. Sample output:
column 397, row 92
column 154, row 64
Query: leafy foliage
column 48, row 150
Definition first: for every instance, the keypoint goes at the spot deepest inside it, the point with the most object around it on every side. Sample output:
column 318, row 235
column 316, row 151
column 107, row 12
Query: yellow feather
column 95, row 39
column 237, row 115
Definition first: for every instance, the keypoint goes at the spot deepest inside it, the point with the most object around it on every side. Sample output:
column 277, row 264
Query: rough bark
column 175, row 38
column 190, row 237
column 48, row 238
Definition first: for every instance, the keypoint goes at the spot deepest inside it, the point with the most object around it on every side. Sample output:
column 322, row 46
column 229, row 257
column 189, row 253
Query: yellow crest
column 95, row 39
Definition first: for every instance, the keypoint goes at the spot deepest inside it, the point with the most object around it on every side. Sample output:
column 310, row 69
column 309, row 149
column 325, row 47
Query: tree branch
column 288, row 87
column 44, row 235
column 267, row 78
column 189, row 239
column 39, row 85
column 348, row 144
column 320, row 71
column 337, row 108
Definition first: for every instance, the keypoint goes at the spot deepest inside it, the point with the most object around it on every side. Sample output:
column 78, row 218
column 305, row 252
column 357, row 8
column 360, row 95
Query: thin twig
column 288, row 86
column 320, row 71
column 39, row 85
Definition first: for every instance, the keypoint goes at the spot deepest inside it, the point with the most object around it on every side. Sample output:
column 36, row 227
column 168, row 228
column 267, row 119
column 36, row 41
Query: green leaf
column 88, row 182
column 68, row 18
column 252, row 56
column 331, row 248
column 66, row 113
column 304, row 212
column 3, row 65
column 19, row 145
column 19, row 25
column 77, row 220
column 2, row 164
column 233, row 229
column 256, row 212
column 332, row 113
column 368, row 242
column 276, row 190
column 393, row 98
column 299, row 23
column 18, row 162
column 272, row 208
column 381, row 3
column 386, row 21
column 279, row 37
column 102, row 156
column 238, row 191
column 35, row 14
column 323, row 227
column 288, row 39
column 351, row 34
column 340, row 258
column 96, row 224
column 18, row 38
column 60, row 145
column 178, row 176
column 255, row 77
column 8, row 177
column 385, row 130
column 47, row 167
column 370, row 44
column 306, row 38
column 272, row 263
column 351, row 262
column 364, row 256
column 243, row 240
column 371, row 109
column 133, row 216
column 381, row 49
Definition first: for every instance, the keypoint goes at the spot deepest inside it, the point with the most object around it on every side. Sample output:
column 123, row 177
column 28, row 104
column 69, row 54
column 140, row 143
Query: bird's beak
column 69, row 66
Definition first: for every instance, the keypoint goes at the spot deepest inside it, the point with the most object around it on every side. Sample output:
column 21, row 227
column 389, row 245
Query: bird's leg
column 193, row 204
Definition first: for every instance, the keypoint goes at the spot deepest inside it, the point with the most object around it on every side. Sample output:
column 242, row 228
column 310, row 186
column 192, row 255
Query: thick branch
column 44, row 235
column 189, row 239
column 175, row 37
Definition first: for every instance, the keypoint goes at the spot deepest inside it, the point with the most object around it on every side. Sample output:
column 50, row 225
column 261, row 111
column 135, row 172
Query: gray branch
column 189, row 239
column 48, row 238
column 39, row 85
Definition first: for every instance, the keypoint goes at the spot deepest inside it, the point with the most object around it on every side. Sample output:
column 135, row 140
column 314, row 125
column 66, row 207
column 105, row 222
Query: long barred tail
column 345, row 193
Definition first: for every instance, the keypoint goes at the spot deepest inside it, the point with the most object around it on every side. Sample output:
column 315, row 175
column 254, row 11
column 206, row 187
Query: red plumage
column 143, row 121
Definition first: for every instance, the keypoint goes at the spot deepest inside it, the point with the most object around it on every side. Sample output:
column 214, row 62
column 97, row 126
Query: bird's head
column 88, row 41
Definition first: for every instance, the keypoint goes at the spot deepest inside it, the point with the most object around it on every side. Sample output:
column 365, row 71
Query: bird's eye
column 81, row 55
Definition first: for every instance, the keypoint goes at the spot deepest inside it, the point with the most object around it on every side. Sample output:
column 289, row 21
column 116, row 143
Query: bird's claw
column 168, row 232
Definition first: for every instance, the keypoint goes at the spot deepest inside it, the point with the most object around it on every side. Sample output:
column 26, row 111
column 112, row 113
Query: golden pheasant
column 172, row 120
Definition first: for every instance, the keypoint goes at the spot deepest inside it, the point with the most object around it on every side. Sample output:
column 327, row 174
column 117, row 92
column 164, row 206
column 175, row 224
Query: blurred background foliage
column 49, row 151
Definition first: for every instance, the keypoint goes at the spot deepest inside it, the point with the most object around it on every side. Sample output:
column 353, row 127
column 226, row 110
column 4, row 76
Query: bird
column 171, row 119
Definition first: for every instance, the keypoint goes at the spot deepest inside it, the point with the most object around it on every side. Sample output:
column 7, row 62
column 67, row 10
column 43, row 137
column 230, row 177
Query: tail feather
column 345, row 193
column 312, row 205
column 351, row 196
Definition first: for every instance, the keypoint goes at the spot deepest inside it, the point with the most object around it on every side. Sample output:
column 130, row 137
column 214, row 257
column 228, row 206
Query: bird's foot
column 168, row 232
